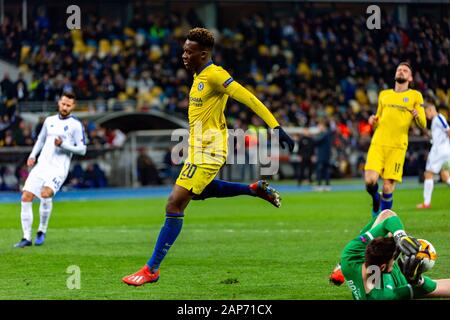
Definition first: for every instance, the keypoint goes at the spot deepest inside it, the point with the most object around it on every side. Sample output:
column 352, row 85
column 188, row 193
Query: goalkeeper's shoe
column 337, row 277
column 423, row 206
column 262, row 190
column 40, row 238
column 141, row 277
column 23, row 243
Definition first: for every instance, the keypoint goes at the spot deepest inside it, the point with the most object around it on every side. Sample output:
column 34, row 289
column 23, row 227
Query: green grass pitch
column 239, row 248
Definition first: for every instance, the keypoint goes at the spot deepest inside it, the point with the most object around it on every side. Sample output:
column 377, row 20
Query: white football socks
column 427, row 191
column 45, row 210
column 26, row 215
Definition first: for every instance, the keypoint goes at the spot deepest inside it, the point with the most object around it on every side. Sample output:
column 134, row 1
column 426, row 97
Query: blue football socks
column 224, row 189
column 386, row 201
column 167, row 236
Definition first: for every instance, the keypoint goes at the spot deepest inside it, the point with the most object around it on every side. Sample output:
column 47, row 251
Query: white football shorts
column 37, row 179
column 436, row 161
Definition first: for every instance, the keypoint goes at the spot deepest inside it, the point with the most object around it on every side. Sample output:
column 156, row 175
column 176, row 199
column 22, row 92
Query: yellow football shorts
column 387, row 161
column 195, row 178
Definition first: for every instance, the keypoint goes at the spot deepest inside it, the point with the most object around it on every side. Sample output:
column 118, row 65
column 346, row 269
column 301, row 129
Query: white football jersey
column 439, row 133
column 54, row 158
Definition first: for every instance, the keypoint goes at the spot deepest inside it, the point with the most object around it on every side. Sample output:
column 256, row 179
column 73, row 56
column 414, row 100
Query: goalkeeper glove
column 412, row 269
column 285, row 139
column 407, row 245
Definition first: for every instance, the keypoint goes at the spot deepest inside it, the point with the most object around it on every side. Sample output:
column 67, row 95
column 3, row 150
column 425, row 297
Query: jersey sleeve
column 78, row 146
column 443, row 122
column 421, row 120
column 40, row 141
column 223, row 82
column 404, row 292
column 390, row 225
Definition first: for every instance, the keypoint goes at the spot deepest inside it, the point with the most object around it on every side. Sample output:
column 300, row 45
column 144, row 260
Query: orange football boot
column 141, row 277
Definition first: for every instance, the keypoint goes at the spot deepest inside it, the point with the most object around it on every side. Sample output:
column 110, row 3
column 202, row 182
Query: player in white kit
column 439, row 155
column 61, row 136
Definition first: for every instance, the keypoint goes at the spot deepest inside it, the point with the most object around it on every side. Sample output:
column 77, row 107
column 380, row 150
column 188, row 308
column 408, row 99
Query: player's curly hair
column 202, row 36
column 380, row 251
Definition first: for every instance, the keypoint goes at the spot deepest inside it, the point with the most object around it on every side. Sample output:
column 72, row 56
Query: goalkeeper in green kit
column 370, row 267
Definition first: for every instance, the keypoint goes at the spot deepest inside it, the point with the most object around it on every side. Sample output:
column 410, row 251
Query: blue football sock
column 386, row 201
column 224, row 189
column 167, row 236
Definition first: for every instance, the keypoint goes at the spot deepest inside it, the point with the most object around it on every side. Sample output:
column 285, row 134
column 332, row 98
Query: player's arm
column 388, row 222
column 223, row 82
column 79, row 145
column 419, row 112
column 444, row 123
column 442, row 289
column 38, row 145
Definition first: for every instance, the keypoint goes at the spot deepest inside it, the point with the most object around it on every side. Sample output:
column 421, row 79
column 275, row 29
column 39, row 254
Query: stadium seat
column 117, row 47
column 129, row 32
column 104, row 48
column 24, row 53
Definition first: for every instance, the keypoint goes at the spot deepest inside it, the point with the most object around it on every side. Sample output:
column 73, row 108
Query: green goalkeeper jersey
column 392, row 285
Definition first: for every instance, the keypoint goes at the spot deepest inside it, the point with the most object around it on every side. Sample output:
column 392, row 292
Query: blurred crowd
column 304, row 67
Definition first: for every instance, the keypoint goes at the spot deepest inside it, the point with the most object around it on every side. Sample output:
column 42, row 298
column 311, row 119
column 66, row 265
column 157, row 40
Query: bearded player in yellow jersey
column 397, row 109
column 207, row 147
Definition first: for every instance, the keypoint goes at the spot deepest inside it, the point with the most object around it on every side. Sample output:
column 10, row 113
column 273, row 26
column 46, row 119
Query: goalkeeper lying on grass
column 370, row 267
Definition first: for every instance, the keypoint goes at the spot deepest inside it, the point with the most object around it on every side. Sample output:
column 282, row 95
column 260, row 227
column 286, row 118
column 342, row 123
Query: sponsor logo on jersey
column 200, row 86
column 398, row 107
column 405, row 99
column 66, row 128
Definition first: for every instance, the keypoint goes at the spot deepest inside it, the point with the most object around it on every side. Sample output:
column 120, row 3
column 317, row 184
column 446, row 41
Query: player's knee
column 46, row 193
column 370, row 179
column 27, row 196
column 388, row 186
column 428, row 175
column 386, row 214
column 173, row 205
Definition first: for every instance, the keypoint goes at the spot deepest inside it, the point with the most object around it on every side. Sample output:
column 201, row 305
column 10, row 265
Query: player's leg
column 372, row 169
column 45, row 210
column 26, row 217
column 371, row 181
column 433, row 166
column 445, row 176
column 192, row 180
column 31, row 189
column 428, row 185
column 177, row 202
column 442, row 289
column 387, row 197
column 224, row 189
column 392, row 173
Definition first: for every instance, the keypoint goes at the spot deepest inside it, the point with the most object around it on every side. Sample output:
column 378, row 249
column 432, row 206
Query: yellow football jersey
column 207, row 124
column 395, row 117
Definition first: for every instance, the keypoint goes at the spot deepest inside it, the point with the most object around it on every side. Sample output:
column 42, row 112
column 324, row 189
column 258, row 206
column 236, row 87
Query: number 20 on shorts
column 189, row 171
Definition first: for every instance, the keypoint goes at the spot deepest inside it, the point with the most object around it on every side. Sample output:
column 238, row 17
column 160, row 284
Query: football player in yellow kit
column 207, row 146
column 397, row 109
